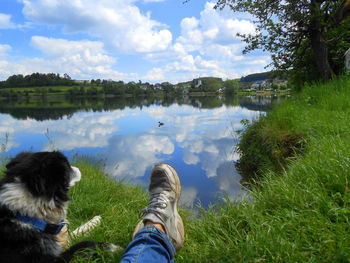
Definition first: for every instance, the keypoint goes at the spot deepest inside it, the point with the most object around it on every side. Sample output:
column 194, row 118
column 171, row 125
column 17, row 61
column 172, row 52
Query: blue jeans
column 149, row 245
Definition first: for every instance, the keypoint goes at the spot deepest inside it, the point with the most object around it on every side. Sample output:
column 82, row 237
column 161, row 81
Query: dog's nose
column 75, row 176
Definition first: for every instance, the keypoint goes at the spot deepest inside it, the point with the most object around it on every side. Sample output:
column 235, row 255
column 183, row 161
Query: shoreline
column 25, row 93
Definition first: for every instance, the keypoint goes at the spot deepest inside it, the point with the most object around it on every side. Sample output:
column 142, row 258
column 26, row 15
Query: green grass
column 47, row 90
column 118, row 204
column 300, row 213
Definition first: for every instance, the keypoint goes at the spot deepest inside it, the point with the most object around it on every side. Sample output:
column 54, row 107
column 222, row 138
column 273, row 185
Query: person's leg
column 161, row 231
column 149, row 245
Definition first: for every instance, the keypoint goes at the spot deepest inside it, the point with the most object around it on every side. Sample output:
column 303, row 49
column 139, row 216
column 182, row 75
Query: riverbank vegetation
column 52, row 85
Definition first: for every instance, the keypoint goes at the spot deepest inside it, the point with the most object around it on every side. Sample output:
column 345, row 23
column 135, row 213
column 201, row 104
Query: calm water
column 197, row 138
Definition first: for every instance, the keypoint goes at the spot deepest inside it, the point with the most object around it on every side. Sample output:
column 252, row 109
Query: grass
column 300, row 213
column 47, row 90
column 118, row 205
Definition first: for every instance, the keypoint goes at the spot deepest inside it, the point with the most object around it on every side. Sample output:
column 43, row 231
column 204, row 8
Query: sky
column 129, row 40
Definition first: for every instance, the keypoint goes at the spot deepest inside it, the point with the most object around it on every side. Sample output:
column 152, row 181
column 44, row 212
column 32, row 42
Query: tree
column 211, row 84
column 231, row 86
column 298, row 34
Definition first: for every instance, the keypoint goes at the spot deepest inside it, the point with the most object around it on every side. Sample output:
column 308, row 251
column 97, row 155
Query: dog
column 33, row 208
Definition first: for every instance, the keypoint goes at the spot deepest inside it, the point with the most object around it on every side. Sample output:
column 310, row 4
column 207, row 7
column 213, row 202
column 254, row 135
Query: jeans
column 149, row 245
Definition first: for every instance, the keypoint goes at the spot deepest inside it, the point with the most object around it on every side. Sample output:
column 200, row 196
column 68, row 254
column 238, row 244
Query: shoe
column 165, row 191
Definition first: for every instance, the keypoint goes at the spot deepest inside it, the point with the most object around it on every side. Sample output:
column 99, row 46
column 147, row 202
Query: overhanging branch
column 342, row 12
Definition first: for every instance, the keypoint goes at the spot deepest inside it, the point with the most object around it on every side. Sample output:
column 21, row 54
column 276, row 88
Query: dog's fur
column 36, row 185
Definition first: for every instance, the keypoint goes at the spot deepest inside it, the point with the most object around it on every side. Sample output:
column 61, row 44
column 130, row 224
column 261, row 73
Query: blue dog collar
column 41, row 225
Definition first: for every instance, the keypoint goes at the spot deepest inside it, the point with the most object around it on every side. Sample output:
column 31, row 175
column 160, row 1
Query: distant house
column 158, row 86
column 197, row 83
column 347, row 59
column 258, row 84
column 221, row 90
column 143, row 86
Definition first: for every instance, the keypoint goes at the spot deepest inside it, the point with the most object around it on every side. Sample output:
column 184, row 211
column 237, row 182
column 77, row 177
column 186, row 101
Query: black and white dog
column 33, row 208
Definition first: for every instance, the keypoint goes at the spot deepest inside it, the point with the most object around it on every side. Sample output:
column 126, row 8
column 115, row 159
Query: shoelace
column 159, row 200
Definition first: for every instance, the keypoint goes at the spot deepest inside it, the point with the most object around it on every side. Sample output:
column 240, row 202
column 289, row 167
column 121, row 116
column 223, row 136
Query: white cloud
column 5, row 21
column 188, row 197
column 207, row 46
column 4, row 49
column 119, row 23
column 213, row 27
column 80, row 59
column 130, row 155
column 228, row 181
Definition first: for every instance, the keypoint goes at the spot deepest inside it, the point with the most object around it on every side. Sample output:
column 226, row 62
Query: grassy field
column 299, row 212
column 49, row 91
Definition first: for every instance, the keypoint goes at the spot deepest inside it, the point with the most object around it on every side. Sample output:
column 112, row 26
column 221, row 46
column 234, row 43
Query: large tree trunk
column 318, row 43
column 320, row 52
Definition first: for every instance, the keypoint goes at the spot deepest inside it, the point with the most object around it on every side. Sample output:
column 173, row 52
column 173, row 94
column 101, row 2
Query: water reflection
column 197, row 137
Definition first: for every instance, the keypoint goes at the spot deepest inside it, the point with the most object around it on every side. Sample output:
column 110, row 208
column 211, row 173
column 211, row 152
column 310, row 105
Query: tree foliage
column 36, row 80
column 306, row 37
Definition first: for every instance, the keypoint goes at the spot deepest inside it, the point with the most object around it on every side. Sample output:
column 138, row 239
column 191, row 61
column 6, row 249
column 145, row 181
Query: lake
column 196, row 135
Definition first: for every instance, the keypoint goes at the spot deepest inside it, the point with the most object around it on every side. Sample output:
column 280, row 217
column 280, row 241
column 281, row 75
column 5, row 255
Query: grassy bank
column 300, row 213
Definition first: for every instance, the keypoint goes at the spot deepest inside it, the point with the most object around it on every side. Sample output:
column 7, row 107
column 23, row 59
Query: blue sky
column 130, row 40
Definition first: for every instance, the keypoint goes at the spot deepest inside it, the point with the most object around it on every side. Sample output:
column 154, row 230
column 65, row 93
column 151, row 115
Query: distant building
column 259, row 84
column 158, row 86
column 221, row 90
column 197, row 83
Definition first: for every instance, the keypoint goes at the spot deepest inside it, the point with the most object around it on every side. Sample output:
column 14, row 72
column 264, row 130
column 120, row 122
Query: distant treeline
column 38, row 84
column 37, row 80
column 51, row 84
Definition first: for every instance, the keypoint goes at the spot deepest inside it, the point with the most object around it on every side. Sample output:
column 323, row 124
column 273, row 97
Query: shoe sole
column 176, row 187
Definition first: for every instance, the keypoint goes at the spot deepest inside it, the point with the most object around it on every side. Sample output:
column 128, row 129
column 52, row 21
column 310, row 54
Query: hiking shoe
column 165, row 191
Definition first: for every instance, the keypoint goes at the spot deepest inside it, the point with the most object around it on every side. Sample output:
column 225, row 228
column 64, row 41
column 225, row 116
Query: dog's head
column 46, row 175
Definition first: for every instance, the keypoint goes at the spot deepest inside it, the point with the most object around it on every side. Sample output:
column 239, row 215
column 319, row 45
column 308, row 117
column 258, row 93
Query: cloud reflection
column 128, row 156
column 228, row 181
column 192, row 138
